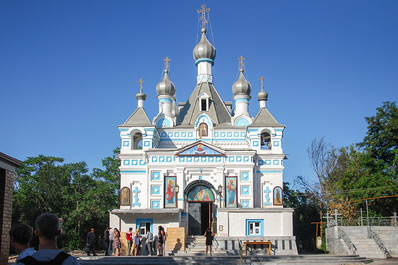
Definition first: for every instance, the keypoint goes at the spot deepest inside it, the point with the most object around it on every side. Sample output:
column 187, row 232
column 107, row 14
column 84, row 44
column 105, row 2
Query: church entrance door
column 200, row 217
column 200, row 202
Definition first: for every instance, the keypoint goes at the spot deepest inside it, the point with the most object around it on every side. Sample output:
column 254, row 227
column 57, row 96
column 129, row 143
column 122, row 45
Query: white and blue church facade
column 205, row 163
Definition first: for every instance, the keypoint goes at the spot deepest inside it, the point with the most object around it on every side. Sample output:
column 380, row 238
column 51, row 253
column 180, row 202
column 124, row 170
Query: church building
column 205, row 163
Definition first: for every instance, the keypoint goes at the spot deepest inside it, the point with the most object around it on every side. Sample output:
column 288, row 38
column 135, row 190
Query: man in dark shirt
column 91, row 242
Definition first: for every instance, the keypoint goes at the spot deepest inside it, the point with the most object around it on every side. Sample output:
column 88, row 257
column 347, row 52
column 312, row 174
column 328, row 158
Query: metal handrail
column 343, row 235
column 373, row 235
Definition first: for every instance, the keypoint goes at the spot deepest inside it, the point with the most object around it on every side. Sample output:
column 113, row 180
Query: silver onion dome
column 204, row 49
column 241, row 86
column 165, row 87
column 140, row 96
column 262, row 95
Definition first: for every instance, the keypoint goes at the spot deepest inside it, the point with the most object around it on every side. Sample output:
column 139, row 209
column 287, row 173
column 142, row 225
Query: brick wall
column 6, row 192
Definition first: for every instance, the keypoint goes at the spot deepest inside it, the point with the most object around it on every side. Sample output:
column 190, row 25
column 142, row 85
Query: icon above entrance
column 200, row 198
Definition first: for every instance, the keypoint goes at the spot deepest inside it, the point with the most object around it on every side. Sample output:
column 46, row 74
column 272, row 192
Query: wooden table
column 258, row 243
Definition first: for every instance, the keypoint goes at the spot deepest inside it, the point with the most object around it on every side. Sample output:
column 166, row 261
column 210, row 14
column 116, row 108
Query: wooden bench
column 258, row 243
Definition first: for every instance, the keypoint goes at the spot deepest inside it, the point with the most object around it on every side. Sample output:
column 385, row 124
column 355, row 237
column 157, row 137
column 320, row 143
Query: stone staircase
column 366, row 247
column 196, row 245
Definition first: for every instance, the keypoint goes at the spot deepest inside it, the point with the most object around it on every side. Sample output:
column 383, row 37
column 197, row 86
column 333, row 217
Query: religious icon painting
column 203, row 131
column 125, row 197
column 278, row 196
column 231, row 196
column 170, row 194
column 200, row 193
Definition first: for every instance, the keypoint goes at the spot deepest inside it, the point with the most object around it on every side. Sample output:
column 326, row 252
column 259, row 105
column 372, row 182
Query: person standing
column 155, row 243
column 136, row 243
column 149, row 241
column 106, row 239
column 209, row 240
column 129, row 237
column 111, row 237
column 20, row 236
column 116, row 242
column 48, row 230
column 161, row 240
column 91, row 242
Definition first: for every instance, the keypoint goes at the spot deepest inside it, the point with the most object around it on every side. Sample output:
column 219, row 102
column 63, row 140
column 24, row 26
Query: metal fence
column 363, row 221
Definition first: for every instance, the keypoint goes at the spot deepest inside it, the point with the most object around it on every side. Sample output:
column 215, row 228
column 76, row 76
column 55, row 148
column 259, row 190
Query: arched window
column 266, row 140
column 136, row 141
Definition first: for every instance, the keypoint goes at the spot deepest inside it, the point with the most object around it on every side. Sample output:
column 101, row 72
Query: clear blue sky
column 69, row 69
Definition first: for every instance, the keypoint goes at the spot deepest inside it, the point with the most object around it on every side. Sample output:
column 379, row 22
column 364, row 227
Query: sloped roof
column 218, row 112
column 138, row 118
column 265, row 118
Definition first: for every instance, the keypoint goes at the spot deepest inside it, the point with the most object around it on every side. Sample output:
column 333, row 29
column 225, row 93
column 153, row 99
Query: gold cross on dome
column 166, row 62
column 140, row 84
column 241, row 63
column 204, row 10
column 261, row 82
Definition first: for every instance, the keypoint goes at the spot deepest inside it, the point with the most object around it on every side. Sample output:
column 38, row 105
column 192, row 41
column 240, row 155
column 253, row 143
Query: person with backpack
column 20, row 235
column 48, row 230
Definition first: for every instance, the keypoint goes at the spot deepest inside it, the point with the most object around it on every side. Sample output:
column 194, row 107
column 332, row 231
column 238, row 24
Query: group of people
column 47, row 229
column 135, row 242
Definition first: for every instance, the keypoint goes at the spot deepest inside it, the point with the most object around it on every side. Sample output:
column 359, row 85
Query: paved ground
column 392, row 261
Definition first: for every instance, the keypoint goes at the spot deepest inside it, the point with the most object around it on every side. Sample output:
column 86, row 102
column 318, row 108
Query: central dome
column 204, row 49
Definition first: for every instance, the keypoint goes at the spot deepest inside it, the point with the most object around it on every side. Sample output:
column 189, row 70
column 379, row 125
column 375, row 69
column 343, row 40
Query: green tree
column 372, row 167
column 305, row 212
column 47, row 184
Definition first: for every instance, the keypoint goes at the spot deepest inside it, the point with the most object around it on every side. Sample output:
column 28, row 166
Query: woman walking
column 116, row 242
column 209, row 240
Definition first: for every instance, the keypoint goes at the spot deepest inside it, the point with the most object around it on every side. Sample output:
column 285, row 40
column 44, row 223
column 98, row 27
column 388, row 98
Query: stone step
column 218, row 259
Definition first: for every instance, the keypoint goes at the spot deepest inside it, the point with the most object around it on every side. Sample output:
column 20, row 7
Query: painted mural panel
column 170, row 196
column 200, row 149
column 125, row 196
column 200, row 194
column 278, row 196
column 230, row 192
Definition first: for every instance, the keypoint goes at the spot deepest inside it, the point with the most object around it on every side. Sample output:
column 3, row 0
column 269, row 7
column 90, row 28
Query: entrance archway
column 199, row 197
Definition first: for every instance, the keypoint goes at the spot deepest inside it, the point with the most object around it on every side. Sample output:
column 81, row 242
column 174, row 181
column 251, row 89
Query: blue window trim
column 261, row 221
column 147, row 220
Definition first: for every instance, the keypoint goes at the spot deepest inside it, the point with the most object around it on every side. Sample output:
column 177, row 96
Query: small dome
column 241, row 86
column 262, row 95
column 141, row 95
column 165, row 87
column 204, row 49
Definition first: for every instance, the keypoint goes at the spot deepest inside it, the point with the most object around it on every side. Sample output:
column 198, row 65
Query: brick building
column 8, row 165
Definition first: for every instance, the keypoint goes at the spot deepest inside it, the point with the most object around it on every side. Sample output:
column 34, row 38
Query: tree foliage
column 348, row 175
column 372, row 168
column 305, row 212
column 82, row 200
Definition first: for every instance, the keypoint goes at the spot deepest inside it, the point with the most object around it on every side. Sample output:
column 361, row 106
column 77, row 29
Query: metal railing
column 371, row 221
column 373, row 235
column 343, row 235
